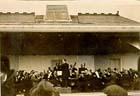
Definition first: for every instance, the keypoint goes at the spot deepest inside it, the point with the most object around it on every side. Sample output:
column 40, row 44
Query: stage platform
column 64, row 90
column 137, row 93
column 131, row 93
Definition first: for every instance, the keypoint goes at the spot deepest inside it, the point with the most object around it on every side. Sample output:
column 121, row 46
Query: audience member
column 44, row 88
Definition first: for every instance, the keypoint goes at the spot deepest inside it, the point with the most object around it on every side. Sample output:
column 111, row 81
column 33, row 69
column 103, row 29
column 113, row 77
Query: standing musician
column 73, row 71
column 73, row 76
column 82, row 70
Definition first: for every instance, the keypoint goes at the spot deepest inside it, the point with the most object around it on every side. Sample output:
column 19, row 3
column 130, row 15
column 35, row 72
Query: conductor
column 65, row 73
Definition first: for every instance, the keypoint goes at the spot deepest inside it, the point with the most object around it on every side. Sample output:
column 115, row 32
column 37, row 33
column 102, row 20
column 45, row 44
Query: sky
column 127, row 8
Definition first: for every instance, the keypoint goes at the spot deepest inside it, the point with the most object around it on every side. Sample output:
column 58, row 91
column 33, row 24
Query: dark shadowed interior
column 67, row 43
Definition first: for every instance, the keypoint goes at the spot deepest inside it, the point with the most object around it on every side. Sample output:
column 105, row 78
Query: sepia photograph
column 70, row 47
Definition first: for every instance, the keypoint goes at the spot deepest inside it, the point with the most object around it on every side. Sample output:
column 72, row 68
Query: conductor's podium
column 64, row 89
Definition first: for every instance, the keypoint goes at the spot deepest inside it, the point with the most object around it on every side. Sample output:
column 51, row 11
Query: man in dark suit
column 65, row 73
column 7, row 77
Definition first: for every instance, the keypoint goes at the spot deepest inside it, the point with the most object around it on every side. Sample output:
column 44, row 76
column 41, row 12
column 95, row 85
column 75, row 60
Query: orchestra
column 80, row 79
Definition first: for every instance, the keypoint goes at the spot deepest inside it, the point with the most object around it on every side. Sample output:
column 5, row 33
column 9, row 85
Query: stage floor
column 134, row 93
column 131, row 93
column 83, row 94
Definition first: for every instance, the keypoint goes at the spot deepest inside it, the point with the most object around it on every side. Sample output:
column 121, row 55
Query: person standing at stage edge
column 65, row 73
column 7, row 78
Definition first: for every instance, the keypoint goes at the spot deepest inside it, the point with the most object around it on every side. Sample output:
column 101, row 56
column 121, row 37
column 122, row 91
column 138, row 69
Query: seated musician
column 57, row 71
column 49, row 73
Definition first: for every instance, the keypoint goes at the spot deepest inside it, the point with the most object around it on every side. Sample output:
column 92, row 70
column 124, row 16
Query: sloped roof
column 80, row 18
column 102, row 19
